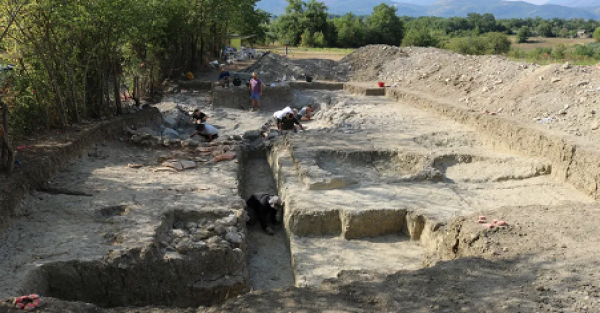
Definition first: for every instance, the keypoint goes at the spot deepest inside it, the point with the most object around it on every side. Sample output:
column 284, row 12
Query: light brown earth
column 364, row 163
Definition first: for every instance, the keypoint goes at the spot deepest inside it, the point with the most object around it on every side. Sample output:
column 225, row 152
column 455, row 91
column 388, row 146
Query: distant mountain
column 450, row 8
column 576, row 3
column 358, row 7
column 506, row 9
column 417, row 2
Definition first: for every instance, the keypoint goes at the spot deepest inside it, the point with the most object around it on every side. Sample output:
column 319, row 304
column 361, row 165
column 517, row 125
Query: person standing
column 256, row 89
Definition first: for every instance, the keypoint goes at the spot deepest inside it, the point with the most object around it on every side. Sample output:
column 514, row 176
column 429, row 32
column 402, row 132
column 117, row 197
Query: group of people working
column 287, row 119
column 255, row 85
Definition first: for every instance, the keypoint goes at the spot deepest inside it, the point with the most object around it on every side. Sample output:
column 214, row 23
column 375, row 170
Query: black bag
column 237, row 80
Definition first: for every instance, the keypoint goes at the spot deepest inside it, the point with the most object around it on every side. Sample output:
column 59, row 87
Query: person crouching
column 207, row 131
column 288, row 123
column 264, row 207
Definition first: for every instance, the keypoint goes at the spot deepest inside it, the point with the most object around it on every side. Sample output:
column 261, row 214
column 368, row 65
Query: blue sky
column 534, row 1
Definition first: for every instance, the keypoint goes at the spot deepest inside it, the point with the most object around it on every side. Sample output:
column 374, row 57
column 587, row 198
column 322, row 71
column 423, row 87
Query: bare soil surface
column 545, row 260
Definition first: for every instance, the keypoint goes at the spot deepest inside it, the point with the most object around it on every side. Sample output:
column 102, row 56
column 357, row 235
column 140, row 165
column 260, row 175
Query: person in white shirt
column 278, row 116
column 207, row 131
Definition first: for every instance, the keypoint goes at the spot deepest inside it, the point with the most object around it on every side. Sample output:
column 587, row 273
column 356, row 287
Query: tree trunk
column 6, row 146
column 117, row 95
column 136, row 90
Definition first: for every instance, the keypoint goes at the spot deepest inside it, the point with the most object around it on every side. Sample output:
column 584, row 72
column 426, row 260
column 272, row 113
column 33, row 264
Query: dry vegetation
column 542, row 42
column 310, row 53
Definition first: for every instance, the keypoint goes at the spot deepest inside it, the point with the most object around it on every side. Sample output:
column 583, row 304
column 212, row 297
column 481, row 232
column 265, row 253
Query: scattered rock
column 583, row 83
column 234, row 238
column 135, row 165
column 169, row 121
column 187, row 164
column 566, row 66
column 555, row 80
column 170, row 133
column 173, row 164
column 230, row 220
column 165, row 169
column 180, row 233
column 595, row 125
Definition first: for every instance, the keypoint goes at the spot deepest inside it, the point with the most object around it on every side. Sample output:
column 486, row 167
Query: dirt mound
column 271, row 67
column 368, row 62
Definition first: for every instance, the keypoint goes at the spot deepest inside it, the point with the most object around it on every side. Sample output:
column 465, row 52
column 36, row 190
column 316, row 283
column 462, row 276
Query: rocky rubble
column 187, row 237
column 272, row 67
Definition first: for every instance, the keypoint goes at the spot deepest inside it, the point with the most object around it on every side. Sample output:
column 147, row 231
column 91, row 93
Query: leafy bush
column 491, row 43
column 498, row 43
column 523, row 34
column 420, row 37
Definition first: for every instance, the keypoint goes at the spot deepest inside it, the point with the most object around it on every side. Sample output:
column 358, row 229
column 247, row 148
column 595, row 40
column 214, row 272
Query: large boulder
column 170, row 121
column 170, row 133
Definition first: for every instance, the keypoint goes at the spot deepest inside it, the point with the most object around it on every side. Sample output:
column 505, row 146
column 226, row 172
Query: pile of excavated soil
column 556, row 96
column 272, row 67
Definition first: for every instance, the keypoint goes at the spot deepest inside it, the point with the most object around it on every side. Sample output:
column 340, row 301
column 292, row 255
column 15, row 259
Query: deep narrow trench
column 269, row 261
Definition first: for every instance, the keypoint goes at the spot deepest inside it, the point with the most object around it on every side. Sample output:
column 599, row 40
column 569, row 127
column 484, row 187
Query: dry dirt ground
column 544, row 261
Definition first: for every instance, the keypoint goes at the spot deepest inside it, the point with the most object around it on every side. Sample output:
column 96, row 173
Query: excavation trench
column 269, row 263
column 188, row 273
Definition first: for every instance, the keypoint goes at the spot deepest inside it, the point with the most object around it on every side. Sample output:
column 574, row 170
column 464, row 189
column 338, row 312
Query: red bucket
column 381, row 84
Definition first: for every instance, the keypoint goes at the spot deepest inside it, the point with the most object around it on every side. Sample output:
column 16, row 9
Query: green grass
column 330, row 50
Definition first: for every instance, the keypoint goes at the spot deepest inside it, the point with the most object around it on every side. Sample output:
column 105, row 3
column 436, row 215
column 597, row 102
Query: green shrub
column 491, row 43
column 420, row 37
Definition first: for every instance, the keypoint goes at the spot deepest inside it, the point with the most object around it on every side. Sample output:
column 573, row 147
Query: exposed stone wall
column 316, row 85
column 573, row 161
column 273, row 98
column 39, row 171
column 364, row 90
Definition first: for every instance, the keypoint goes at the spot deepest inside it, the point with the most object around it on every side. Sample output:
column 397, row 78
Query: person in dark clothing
column 224, row 78
column 289, row 122
column 264, row 207
column 198, row 116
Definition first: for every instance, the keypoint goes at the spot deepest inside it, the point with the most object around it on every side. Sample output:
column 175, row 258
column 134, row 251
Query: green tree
column 545, row 29
column 420, row 37
column 596, row 34
column 497, row 43
column 523, row 34
column 385, row 27
column 350, row 31
column 563, row 33
column 302, row 18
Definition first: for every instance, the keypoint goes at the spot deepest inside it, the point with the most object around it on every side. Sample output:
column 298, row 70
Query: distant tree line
column 309, row 24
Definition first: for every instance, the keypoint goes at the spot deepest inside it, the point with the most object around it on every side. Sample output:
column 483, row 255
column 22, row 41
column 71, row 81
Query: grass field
column 335, row 54
column 542, row 42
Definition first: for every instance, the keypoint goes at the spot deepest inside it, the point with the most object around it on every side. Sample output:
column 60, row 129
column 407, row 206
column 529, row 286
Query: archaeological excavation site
column 465, row 184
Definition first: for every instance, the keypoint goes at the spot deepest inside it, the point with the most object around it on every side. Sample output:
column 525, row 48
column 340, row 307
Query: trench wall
column 35, row 173
column 273, row 98
column 573, row 160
